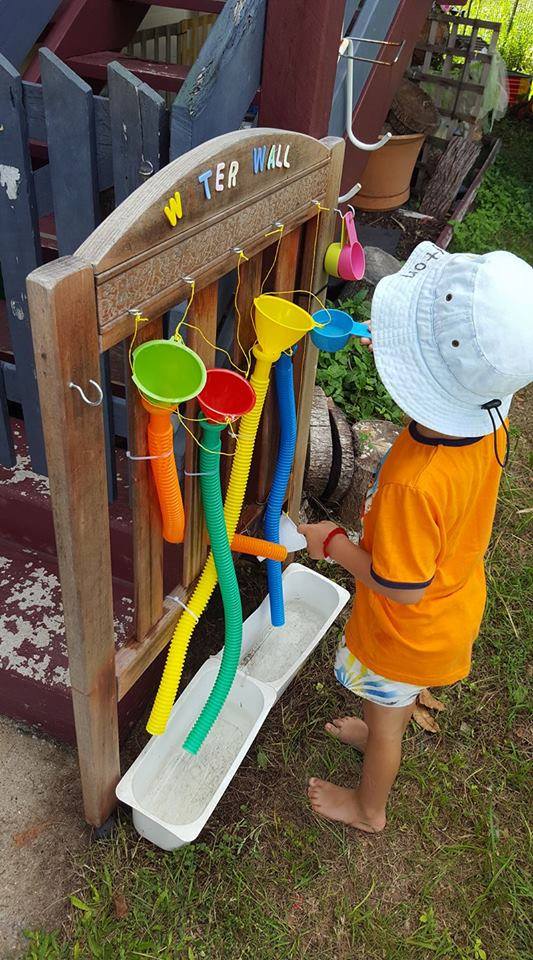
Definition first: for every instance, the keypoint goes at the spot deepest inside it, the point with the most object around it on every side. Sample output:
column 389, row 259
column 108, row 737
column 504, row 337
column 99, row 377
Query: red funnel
column 226, row 396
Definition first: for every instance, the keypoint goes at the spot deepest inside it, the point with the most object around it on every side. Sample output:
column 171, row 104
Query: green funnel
column 167, row 373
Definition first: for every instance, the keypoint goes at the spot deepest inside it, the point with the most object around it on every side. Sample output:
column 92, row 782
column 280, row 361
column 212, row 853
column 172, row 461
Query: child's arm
column 354, row 559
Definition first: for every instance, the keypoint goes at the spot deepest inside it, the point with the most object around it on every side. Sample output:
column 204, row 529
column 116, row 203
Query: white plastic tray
column 274, row 655
column 172, row 794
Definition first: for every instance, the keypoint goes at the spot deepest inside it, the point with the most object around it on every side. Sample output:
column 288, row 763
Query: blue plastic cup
column 337, row 330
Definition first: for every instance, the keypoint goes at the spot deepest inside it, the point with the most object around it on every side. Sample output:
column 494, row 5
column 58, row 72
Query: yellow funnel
column 279, row 324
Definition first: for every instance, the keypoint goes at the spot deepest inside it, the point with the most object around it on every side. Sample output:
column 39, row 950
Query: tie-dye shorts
column 365, row 683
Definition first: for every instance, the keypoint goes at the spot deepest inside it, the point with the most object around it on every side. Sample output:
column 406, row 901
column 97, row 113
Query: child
column 452, row 340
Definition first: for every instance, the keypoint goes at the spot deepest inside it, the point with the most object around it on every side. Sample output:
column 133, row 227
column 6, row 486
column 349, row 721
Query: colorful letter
column 232, row 173
column 259, row 157
column 286, row 157
column 219, row 177
column 279, row 162
column 174, row 209
column 204, row 178
column 271, row 162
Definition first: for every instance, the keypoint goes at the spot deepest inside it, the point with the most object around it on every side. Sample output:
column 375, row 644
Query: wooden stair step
column 198, row 6
column 159, row 76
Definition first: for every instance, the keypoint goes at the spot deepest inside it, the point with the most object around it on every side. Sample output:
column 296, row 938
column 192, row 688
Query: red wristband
column 329, row 538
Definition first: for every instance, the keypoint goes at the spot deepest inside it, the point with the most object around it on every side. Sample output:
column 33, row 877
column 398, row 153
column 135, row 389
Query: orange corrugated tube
column 255, row 547
column 161, row 446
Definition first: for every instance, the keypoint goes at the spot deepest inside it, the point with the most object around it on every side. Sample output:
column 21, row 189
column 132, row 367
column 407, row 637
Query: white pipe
column 349, row 108
column 351, row 193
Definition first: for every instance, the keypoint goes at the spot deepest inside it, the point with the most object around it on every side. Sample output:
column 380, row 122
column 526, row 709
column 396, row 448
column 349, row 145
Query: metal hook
column 336, row 210
column 97, row 387
column 188, row 280
column 352, row 208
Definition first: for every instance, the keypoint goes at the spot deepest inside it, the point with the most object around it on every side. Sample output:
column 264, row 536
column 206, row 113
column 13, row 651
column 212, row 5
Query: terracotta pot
column 386, row 180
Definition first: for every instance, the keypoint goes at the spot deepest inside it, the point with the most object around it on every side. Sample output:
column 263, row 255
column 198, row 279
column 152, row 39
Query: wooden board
column 63, row 310
column 203, row 314
column 147, row 525
column 139, row 259
column 71, row 138
column 21, row 24
column 224, row 79
column 314, row 278
column 20, row 250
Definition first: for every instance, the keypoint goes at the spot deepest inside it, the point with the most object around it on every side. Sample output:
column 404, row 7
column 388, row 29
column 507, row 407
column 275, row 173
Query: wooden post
column 313, row 278
column 64, row 326
column 203, row 314
column 297, row 89
column 147, row 524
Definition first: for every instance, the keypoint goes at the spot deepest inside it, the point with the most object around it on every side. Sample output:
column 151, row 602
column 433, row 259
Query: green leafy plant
column 503, row 213
column 350, row 377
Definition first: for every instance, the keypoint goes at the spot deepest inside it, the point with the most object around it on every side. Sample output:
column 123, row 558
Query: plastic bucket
column 279, row 323
column 337, row 330
column 225, row 396
column 167, row 373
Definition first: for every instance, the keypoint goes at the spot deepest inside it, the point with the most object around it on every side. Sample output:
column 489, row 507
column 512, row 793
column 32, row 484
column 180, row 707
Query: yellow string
column 272, row 233
column 220, row 453
column 138, row 319
column 177, row 335
column 246, row 354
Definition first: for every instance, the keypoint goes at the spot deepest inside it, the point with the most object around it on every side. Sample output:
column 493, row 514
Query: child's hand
column 315, row 534
column 365, row 341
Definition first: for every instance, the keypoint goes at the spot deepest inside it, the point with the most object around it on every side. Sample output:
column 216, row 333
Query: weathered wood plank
column 147, row 537
column 293, row 96
column 34, row 107
column 138, row 130
column 313, row 278
column 203, row 314
column 21, row 24
column 20, row 250
column 222, row 83
column 71, row 138
column 64, row 325
column 133, row 659
column 7, row 451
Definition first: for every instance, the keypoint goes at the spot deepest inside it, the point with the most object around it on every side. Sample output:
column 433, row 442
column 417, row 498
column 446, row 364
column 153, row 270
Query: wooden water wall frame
column 82, row 305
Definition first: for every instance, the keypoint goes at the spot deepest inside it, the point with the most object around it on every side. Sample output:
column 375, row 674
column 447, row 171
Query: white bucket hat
column 453, row 337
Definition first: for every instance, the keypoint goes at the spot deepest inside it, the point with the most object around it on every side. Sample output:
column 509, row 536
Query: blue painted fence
column 96, row 144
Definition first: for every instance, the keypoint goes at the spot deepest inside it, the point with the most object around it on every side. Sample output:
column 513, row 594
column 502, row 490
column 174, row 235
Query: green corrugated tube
column 216, row 525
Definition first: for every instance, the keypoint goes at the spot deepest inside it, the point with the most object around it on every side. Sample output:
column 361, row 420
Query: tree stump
column 453, row 166
column 320, row 449
column 343, row 460
column 373, row 440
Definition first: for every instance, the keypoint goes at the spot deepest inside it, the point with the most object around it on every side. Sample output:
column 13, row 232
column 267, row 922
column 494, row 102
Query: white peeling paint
column 237, row 10
column 22, row 472
column 16, row 310
column 9, row 180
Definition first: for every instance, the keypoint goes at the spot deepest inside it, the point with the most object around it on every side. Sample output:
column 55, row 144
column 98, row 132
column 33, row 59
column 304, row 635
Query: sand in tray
column 184, row 785
column 274, row 653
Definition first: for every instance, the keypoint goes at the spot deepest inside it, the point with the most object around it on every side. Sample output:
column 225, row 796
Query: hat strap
column 489, row 406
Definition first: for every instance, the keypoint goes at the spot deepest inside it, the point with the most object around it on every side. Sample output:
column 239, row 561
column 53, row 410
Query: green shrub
column 350, row 376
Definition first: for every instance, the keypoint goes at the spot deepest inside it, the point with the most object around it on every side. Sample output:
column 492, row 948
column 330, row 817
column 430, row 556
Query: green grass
column 449, row 880
column 503, row 214
column 516, row 46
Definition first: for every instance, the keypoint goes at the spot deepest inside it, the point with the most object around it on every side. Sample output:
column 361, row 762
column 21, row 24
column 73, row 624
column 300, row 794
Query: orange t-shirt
column 428, row 523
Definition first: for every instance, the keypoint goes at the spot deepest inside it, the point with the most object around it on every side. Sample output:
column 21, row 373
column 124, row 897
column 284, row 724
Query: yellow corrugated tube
column 232, row 509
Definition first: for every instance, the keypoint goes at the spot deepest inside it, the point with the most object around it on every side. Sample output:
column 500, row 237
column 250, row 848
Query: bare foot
column 350, row 730
column 342, row 805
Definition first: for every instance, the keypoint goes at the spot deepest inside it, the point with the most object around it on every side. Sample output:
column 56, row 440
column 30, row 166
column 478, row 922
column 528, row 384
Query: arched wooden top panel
column 226, row 193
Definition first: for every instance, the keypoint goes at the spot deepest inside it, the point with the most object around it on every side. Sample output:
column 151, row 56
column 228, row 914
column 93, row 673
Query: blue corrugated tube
column 287, row 442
